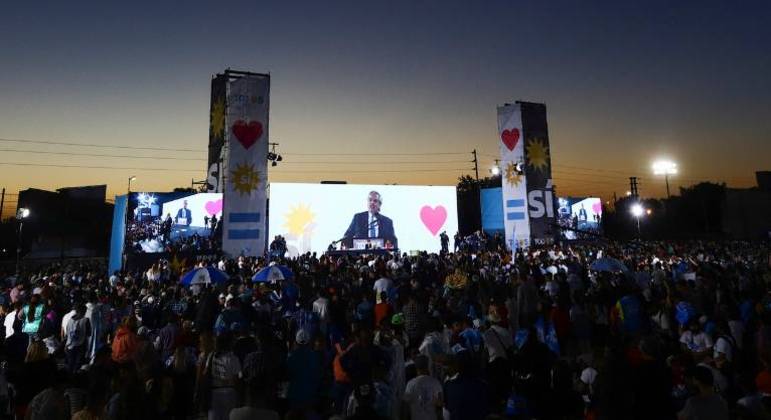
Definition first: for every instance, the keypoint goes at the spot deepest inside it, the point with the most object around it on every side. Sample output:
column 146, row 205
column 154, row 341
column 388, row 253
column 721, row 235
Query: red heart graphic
column 247, row 134
column 510, row 138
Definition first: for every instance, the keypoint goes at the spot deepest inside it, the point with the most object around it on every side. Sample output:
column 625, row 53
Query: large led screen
column 579, row 215
column 311, row 217
column 161, row 222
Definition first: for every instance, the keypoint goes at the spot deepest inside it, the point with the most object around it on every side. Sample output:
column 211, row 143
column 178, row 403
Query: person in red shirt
column 382, row 309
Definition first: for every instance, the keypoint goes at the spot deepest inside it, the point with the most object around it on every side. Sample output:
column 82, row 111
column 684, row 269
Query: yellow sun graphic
column 218, row 118
column 298, row 219
column 537, row 154
column 245, row 178
column 512, row 176
column 176, row 265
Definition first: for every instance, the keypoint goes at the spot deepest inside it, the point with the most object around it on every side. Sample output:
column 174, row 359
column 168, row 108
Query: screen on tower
column 172, row 222
column 315, row 217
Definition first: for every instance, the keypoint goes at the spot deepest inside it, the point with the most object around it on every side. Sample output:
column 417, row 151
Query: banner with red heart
column 247, row 133
column 510, row 138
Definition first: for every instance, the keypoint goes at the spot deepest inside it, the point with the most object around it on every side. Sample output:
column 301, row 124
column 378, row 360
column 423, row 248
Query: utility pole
column 2, row 204
column 633, row 187
column 476, row 164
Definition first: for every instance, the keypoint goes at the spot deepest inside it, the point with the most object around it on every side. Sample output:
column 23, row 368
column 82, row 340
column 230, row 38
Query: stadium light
column 666, row 168
column 495, row 170
column 637, row 211
column 131, row 178
column 21, row 214
column 628, row 193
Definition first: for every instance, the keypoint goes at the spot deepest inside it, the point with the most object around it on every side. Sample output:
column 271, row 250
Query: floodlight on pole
column 637, row 211
column 131, row 178
column 21, row 214
column 495, row 170
column 126, row 217
column 666, row 168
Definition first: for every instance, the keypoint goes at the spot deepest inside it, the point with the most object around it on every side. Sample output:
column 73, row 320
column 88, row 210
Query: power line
column 100, row 155
column 387, row 171
column 203, row 159
column 376, row 153
column 370, row 162
column 558, row 181
column 99, row 167
column 61, row 143
column 593, row 176
column 201, row 170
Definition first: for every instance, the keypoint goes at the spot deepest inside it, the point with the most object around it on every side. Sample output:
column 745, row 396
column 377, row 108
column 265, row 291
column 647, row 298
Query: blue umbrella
column 608, row 264
column 272, row 273
column 205, row 275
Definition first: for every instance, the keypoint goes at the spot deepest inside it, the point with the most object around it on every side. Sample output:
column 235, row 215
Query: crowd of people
column 155, row 237
column 682, row 330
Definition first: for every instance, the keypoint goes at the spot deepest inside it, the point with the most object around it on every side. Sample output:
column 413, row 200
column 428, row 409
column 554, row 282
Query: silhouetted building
column 764, row 180
column 747, row 211
column 71, row 222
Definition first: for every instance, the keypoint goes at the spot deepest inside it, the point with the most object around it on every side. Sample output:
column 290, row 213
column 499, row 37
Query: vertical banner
column 245, row 190
column 217, row 109
column 514, row 192
column 540, row 191
column 118, row 236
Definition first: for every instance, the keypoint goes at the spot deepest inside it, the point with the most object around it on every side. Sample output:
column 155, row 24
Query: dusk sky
column 624, row 83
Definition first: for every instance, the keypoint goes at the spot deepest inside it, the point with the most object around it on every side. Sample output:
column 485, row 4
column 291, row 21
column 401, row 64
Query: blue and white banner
column 514, row 187
column 246, row 176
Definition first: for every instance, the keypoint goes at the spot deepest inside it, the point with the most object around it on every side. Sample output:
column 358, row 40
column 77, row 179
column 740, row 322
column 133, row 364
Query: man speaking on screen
column 184, row 216
column 371, row 224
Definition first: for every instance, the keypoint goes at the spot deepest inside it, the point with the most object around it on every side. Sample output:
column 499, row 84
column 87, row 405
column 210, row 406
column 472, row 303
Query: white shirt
column 321, row 308
column 75, row 332
column 423, row 394
column 66, row 319
column 381, row 285
column 9, row 319
column 696, row 342
column 722, row 345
